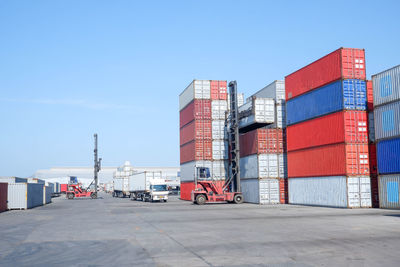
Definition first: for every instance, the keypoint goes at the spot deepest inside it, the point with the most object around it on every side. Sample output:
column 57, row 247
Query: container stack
column 386, row 86
column 263, row 169
column 327, row 132
column 203, row 138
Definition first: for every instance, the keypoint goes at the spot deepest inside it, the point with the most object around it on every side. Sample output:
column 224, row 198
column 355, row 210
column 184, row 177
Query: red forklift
column 208, row 190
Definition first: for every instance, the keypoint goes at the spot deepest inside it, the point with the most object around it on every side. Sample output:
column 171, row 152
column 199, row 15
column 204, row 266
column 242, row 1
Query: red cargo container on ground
column 261, row 141
column 370, row 96
column 196, row 150
column 218, row 90
column 373, row 165
column 344, row 63
column 341, row 127
column 63, row 188
column 3, row 196
column 197, row 129
column 283, row 191
column 198, row 109
column 331, row 160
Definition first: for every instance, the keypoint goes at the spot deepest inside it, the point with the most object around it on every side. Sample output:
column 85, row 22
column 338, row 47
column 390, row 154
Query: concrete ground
column 121, row 232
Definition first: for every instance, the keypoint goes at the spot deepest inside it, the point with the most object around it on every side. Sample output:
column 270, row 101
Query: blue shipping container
column 336, row 96
column 388, row 156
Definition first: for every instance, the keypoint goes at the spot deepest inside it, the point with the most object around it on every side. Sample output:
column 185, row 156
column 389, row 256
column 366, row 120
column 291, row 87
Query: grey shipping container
column 386, row 86
column 24, row 195
column 6, row 179
column 47, row 192
column 389, row 191
column 260, row 191
column 275, row 90
column 387, row 121
column 331, row 191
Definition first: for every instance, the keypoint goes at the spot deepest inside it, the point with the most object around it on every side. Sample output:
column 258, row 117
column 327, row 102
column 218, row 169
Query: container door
column 353, row 192
column 365, row 192
column 264, row 192
column 274, row 191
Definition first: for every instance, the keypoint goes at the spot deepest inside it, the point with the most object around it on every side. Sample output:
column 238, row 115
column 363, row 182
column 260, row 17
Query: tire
column 70, row 196
column 133, row 197
column 200, row 199
column 113, row 194
column 238, row 199
column 93, row 195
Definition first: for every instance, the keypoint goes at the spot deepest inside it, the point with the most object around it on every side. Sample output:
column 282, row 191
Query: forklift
column 207, row 190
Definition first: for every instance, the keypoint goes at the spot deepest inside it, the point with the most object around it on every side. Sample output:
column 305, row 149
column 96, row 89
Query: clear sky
column 69, row 69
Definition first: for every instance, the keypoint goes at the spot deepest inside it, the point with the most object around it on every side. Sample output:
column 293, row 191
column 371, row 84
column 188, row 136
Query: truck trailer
column 148, row 186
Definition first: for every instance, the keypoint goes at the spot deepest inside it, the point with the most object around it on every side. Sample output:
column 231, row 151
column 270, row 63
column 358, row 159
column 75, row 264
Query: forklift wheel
column 200, row 199
column 70, row 196
column 93, row 195
column 238, row 199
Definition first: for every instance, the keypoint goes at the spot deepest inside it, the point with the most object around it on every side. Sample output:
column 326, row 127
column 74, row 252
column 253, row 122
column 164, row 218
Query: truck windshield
column 159, row 187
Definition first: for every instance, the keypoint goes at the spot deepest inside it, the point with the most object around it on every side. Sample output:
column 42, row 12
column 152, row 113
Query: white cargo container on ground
column 148, row 186
column 198, row 89
column 332, row 191
column 24, row 195
column 263, row 166
column 257, row 112
column 260, row 191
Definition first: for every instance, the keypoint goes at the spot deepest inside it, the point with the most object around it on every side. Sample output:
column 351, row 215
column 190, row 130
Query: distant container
column 275, row 90
column 389, row 191
column 198, row 89
column 196, row 150
column 263, row 166
column 218, row 169
column 336, row 96
column 218, row 90
column 195, row 110
column 349, row 126
column 256, row 113
column 24, row 195
column 370, row 96
column 387, row 121
column 218, row 131
column 261, row 141
column 47, row 192
column 388, row 155
column 332, row 191
column 330, row 160
column 3, row 196
column 195, row 130
column 280, row 116
column 218, row 109
column 9, row 179
column 344, row 63
column 371, row 127
column 261, row 191
column 386, row 86
column 36, row 181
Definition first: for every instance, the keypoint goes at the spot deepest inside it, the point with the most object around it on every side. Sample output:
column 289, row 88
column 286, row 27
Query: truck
column 148, row 186
column 121, row 187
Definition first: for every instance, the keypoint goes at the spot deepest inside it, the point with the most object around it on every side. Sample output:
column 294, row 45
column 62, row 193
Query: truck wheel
column 93, row 195
column 70, row 196
column 113, row 194
column 238, row 199
column 200, row 199
column 133, row 196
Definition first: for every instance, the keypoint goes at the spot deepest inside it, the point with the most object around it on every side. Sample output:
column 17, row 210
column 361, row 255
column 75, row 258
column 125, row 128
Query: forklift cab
column 203, row 173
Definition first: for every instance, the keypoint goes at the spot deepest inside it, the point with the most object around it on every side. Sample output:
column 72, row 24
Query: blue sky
column 72, row 68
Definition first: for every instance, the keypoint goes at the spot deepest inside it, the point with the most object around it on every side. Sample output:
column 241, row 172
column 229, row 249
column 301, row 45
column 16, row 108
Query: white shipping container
column 263, row 166
column 331, row 191
column 219, row 149
column 218, row 130
column 257, row 111
column 121, row 184
column 387, row 121
column 371, row 127
column 198, row 89
column 386, row 86
column 8, row 179
column 280, row 117
column 218, row 109
column 24, row 195
column 218, row 169
column 260, row 191
column 142, row 181
column 240, row 100
column 389, row 196
column 275, row 90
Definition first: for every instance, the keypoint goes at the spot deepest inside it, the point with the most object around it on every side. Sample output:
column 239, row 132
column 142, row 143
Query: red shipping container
column 196, row 150
column 331, row 160
column 197, row 129
column 344, row 63
column 63, row 188
column 3, row 196
column 261, row 141
column 370, row 96
column 218, row 90
column 186, row 190
column 375, row 191
column 341, row 127
column 198, row 109
column 373, row 165
column 283, row 191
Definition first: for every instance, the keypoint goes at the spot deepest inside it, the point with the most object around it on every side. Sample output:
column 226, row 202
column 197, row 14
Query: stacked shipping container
column 203, row 137
column 262, row 150
column 386, row 87
column 327, row 132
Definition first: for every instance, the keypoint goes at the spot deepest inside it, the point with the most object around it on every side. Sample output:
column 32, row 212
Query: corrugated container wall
column 336, row 96
column 3, row 196
column 387, row 120
column 262, row 141
column 344, row 63
column 388, row 154
column 389, row 191
column 261, row 191
column 198, row 89
column 386, row 86
column 263, row 166
column 25, row 195
column 370, row 96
